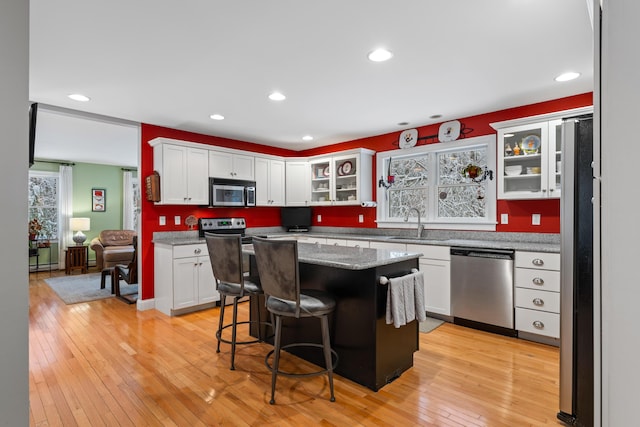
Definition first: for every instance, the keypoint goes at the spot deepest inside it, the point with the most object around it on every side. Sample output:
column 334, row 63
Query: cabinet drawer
column 183, row 251
column 358, row 243
column 336, row 242
column 539, row 260
column 538, row 300
column 538, row 322
column 431, row 251
column 545, row 280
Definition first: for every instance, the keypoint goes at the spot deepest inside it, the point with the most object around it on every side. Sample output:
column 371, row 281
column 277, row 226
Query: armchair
column 113, row 247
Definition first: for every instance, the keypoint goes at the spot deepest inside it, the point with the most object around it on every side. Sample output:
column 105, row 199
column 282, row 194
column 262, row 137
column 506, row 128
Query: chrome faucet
column 420, row 226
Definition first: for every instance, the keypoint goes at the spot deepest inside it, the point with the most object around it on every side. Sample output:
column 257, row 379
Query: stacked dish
column 513, row 170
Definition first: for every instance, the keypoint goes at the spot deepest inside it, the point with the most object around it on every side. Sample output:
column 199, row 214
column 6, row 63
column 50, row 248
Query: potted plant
column 34, row 229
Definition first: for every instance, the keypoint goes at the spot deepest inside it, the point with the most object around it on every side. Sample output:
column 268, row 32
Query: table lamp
column 80, row 225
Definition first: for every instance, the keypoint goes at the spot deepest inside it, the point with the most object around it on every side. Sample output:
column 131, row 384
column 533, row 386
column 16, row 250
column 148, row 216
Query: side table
column 77, row 258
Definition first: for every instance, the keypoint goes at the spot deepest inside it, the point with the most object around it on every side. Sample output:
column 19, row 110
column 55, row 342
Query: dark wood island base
column 370, row 352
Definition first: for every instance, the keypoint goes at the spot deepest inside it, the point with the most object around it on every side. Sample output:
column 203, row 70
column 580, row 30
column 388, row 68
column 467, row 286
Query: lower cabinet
column 184, row 280
column 435, row 263
column 537, row 295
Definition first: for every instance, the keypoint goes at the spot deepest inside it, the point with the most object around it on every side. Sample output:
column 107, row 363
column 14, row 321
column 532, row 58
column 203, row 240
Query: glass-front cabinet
column 341, row 179
column 529, row 160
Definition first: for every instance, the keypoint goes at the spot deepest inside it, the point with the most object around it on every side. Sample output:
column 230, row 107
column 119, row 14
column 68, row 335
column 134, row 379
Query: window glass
column 460, row 196
column 410, row 187
column 43, row 204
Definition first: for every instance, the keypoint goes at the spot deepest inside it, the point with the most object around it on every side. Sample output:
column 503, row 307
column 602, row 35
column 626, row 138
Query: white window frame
column 431, row 220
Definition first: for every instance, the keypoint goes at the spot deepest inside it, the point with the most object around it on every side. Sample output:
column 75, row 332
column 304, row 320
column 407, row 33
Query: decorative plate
column 325, row 172
column 340, row 171
column 191, row 221
column 346, row 168
column 530, row 143
column 408, row 138
column 449, row 131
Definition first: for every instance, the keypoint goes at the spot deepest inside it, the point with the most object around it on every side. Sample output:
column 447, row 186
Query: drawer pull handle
column 538, row 262
column 538, row 324
column 538, row 281
column 538, row 301
column 357, row 246
column 197, row 251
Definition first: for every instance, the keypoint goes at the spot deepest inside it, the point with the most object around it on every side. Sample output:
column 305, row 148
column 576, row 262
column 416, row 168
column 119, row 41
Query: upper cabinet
column 184, row 174
column 224, row 164
column 341, row 179
column 297, row 189
column 530, row 156
column 270, row 186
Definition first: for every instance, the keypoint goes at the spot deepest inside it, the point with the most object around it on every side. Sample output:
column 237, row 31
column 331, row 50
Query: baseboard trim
column 145, row 304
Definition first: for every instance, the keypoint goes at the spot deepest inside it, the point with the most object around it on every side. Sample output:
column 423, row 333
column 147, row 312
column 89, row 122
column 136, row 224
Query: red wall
column 343, row 216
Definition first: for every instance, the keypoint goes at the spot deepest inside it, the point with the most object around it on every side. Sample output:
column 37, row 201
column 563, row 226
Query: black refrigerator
column 576, row 277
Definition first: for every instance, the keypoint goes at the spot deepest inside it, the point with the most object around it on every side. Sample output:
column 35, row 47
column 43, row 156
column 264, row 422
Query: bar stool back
column 225, row 253
column 277, row 262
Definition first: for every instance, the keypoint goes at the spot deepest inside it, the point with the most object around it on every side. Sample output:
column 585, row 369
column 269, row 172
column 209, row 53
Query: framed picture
column 98, row 199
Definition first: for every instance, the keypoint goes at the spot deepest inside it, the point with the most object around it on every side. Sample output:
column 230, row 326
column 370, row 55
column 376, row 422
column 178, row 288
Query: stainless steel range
column 222, row 226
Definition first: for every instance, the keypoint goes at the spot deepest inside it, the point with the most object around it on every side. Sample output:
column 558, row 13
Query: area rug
column 85, row 287
column 429, row 325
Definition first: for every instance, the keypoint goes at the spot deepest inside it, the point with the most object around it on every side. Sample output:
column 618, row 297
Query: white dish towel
column 405, row 299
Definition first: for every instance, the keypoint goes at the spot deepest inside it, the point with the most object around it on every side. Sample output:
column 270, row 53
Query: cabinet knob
column 538, row 262
column 197, row 251
column 544, row 190
column 538, row 301
column 357, row 246
column 538, row 281
column 538, row 324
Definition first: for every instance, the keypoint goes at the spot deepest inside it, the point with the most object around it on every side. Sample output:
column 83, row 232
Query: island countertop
column 346, row 257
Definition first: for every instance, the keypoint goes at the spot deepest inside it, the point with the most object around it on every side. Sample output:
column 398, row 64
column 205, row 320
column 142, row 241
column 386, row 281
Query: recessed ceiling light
column 79, row 97
column 380, row 55
column 435, row 116
column 307, row 138
column 277, row 96
column 567, row 76
column 217, row 116
column 403, row 123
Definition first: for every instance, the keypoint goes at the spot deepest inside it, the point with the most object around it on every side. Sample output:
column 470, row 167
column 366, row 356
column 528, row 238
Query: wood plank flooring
column 104, row 363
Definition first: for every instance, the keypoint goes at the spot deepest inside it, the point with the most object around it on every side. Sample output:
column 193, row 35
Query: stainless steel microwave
column 231, row 192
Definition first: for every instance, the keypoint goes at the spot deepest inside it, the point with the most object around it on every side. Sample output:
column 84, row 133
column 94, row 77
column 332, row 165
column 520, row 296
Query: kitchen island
column 371, row 353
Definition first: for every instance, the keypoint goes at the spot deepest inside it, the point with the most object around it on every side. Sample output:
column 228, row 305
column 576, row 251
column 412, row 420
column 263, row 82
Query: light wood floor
column 105, row 363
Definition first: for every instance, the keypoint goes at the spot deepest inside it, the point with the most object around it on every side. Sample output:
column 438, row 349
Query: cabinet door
column 185, row 282
column 174, row 174
column 243, row 167
column 261, row 168
column 523, row 161
column 554, row 158
column 437, row 285
column 276, row 183
column 220, row 164
column 197, row 172
column 346, row 182
column 206, row 282
column 321, row 182
column 297, row 183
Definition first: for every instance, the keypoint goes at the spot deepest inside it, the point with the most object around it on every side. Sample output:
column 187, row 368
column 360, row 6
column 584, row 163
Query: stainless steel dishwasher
column 482, row 289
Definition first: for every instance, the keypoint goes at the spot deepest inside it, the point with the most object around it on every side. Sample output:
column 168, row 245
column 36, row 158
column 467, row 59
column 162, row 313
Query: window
column 434, row 179
column 43, row 202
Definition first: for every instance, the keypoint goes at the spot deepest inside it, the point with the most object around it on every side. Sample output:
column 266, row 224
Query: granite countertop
column 514, row 241
column 346, row 257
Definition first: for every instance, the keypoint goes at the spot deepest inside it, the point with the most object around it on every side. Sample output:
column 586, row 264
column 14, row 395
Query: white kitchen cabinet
column 435, row 263
column 537, row 295
column 270, row 182
column 530, row 155
column 297, row 189
column 184, row 174
column 223, row 164
column 341, row 179
column 184, row 279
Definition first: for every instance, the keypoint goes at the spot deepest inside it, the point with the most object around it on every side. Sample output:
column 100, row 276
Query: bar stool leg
column 326, row 347
column 233, row 332
column 223, row 299
column 276, row 359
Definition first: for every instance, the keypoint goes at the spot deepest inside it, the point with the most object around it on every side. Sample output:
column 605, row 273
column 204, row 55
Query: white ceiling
column 172, row 64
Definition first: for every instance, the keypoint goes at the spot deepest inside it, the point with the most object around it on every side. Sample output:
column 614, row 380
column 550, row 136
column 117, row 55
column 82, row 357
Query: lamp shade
column 80, row 224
